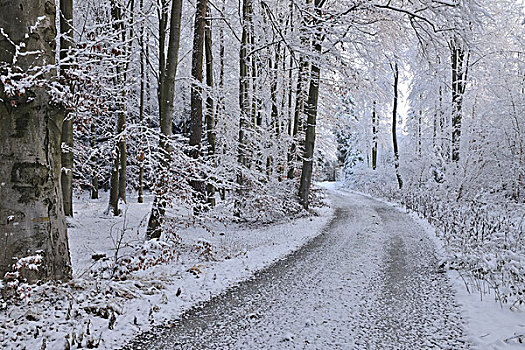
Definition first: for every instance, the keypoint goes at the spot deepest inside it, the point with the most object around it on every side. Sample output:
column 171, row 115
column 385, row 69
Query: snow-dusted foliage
column 461, row 142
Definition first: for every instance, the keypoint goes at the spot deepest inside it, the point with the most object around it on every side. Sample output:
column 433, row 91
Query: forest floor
column 96, row 309
column 362, row 274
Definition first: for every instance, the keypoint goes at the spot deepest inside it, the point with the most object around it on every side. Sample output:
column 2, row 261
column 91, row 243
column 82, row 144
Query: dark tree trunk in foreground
column 66, row 42
column 166, row 96
column 394, row 126
column 31, row 208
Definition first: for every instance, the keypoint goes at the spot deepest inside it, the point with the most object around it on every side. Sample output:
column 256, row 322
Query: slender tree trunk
column 459, row 61
column 419, row 133
column 196, row 89
column 94, row 164
column 166, row 97
column 113, row 192
column 66, row 42
column 123, row 152
column 196, row 72
column 299, row 109
column 309, row 143
column 120, row 173
column 210, row 113
column 31, row 207
column 141, row 106
column 163, row 26
column 243, row 86
column 394, row 126
column 374, row 137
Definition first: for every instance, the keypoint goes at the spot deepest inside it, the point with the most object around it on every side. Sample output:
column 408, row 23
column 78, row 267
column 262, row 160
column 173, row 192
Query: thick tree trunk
column 166, row 97
column 394, row 126
column 31, row 209
column 66, row 42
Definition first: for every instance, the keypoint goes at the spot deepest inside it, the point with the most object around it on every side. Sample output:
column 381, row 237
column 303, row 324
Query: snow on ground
column 370, row 281
column 98, row 312
column 488, row 324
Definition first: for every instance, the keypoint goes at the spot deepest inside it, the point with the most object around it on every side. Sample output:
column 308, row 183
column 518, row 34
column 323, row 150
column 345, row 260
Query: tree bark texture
column 196, row 73
column 166, row 96
column 309, row 142
column 311, row 114
column 459, row 60
column 66, row 42
column 32, row 218
column 394, row 126
column 374, row 137
column 210, row 112
column 244, row 103
column 142, row 99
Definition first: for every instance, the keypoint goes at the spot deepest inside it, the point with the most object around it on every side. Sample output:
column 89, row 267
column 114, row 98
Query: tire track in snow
column 369, row 281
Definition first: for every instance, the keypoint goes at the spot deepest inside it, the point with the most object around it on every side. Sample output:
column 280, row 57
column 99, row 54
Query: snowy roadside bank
column 488, row 324
column 91, row 311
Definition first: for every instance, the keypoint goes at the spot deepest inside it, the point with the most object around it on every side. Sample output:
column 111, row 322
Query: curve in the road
column 369, row 281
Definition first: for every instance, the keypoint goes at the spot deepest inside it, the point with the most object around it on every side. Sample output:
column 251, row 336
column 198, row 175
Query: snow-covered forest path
column 369, row 281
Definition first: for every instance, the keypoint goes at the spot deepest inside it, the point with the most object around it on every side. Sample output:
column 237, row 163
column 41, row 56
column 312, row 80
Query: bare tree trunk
column 166, row 97
column 113, row 192
column 94, row 164
column 394, row 125
column 300, row 97
column 210, row 113
column 419, row 133
column 299, row 109
column 460, row 61
column 243, row 85
column 141, row 106
column 163, row 26
column 196, row 72
column 66, row 42
column 31, row 207
column 374, row 137
column 196, row 90
column 309, row 143
column 120, row 81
